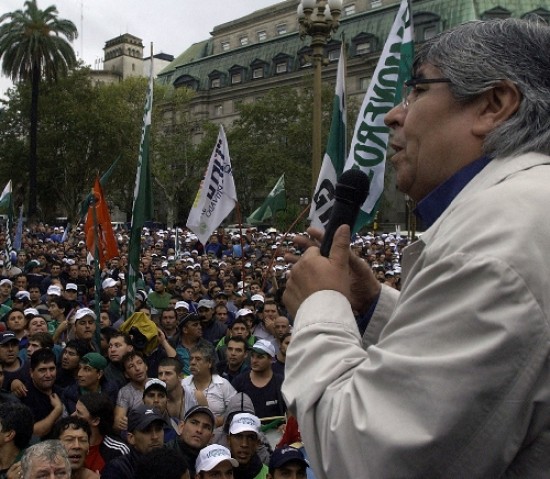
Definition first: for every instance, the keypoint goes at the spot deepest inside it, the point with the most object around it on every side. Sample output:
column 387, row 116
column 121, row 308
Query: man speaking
column 451, row 377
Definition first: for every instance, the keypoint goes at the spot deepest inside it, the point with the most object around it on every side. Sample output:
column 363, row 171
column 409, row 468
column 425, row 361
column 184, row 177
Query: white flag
column 370, row 139
column 5, row 198
column 217, row 195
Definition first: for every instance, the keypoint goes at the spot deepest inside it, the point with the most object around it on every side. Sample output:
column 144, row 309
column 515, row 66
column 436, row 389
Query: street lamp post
column 318, row 19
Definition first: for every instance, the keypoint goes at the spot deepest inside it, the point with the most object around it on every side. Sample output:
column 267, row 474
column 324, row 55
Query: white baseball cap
column 263, row 346
column 245, row 422
column 80, row 313
column 181, row 304
column 211, row 456
column 244, row 312
column 108, row 283
column 54, row 290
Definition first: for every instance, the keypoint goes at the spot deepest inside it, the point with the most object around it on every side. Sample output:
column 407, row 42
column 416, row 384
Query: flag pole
column 285, row 235
column 240, row 221
column 142, row 203
column 97, row 273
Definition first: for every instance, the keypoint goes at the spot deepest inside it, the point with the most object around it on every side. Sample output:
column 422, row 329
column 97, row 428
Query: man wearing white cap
column 53, row 276
column 182, row 309
column 243, row 443
column 155, row 396
column 110, row 288
column 212, row 329
column 84, row 325
column 261, row 383
column 215, row 461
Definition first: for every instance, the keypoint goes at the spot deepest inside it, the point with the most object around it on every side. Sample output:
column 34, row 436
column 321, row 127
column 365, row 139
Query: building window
column 243, row 40
column 363, row 48
column 258, row 73
column 225, row 46
column 375, row 3
column 262, row 36
column 218, row 110
column 349, row 10
column 429, row 32
column 281, row 67
column 133, row 67
column 215, row 83
column 539, row 14
column 363, row 44
column 281, row 29
column 426, row 25
column 237, row 105
column 495, row 14
column 186, row 81
column 236, row 78
column 333, row 55
column 282, row 63
column 364, row 83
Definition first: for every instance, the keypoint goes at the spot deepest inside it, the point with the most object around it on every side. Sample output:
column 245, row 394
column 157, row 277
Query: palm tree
column 32, row 49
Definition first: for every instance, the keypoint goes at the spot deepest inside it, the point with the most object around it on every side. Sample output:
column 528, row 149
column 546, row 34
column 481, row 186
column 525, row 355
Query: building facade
column 123, row 58
column 245, row 58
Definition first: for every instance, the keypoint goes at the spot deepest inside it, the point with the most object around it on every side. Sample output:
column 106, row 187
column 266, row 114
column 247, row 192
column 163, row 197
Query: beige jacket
column 452, row 377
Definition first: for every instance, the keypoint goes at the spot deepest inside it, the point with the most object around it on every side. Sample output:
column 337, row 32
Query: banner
column 100, row 239
column 370, row 138
column 217, row 196
column 275, row 201
column 335, row 156
column 6, row 208
column 142, row 208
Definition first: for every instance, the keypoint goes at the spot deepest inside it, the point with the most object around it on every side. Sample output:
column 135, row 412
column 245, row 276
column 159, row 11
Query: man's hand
column 314, row 272
column 56, row 403
column 363, row 287
column 14, row 472
column 18, row 388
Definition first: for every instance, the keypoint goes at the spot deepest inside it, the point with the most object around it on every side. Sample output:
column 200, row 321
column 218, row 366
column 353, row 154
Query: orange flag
column 107, row 245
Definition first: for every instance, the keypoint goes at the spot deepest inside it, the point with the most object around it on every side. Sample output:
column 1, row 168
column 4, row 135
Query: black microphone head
column 352, row 187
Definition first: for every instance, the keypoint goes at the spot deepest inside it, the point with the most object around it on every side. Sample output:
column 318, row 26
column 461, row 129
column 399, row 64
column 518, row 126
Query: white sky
column 172, row 25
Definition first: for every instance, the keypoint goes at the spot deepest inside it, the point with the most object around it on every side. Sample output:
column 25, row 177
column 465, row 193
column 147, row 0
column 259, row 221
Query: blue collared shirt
column 429, row 209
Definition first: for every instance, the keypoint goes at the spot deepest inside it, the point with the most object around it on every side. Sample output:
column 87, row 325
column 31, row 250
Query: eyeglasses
column 408, row 94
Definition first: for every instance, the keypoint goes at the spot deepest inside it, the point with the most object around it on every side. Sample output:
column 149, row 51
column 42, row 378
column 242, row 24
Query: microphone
column 350, row 193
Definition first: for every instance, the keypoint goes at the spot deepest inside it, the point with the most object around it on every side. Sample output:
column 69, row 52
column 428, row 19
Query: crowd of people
column 442, row 375
column 188, row 383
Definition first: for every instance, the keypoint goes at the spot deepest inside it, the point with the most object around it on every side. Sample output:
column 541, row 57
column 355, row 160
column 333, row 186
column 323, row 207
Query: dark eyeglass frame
column 411, row 84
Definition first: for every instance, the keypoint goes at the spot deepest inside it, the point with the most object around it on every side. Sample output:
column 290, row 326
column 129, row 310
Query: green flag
column 102, row 181
column 142, row 209
column 335, row 156
column 275, row 201
column 370, row 138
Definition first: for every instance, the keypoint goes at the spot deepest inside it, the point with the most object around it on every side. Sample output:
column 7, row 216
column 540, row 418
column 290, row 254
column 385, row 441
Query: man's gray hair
column 477, row 56
column 207, row 351
column 47, row 451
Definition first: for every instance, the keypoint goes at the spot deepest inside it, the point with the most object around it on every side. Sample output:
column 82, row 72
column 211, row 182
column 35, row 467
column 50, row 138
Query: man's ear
column 130, row 438
column 496, row 106
column 95, row 421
